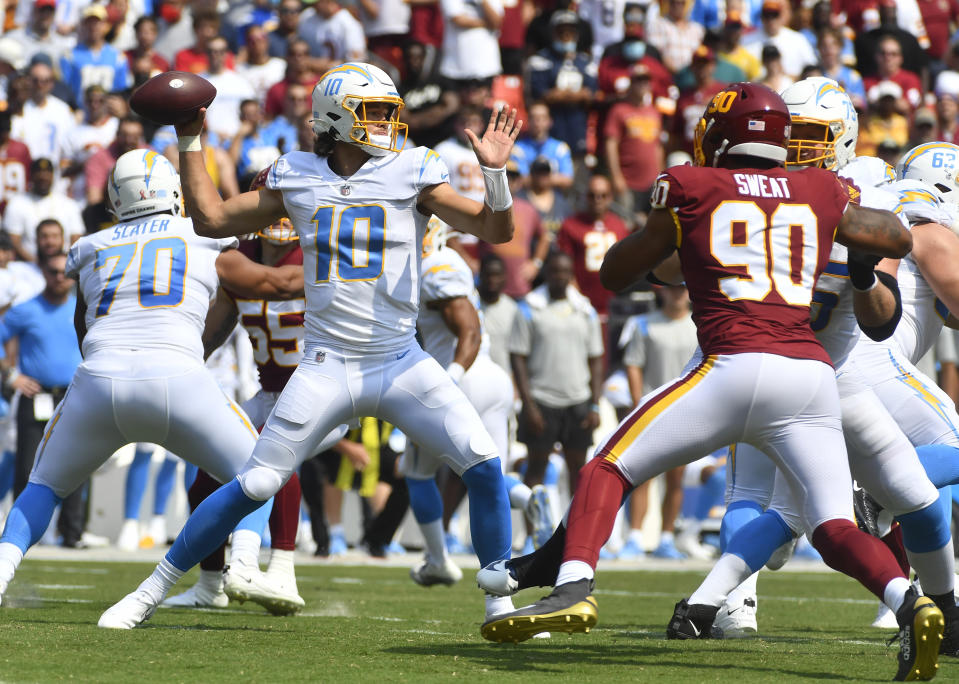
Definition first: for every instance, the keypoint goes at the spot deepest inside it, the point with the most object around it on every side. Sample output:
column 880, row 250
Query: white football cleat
column 129, row 539
column 426, row 574
column 497, row 579
column 782, row 555
column 737, row 621
column 3, row 589
column 242, row 582
column 198, row 597
column 885, row 618
column 132, row 610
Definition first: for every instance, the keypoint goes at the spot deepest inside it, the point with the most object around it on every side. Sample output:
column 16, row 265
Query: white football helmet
column 823, row 106
column 935, row 164
column 435, row 237
column 340, row 102
column 143, row 182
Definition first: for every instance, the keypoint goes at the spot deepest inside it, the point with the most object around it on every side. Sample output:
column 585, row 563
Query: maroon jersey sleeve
column 752, row 243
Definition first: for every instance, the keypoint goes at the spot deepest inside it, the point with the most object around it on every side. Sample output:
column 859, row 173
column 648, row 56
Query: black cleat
column 867, row 511
column 693, row 622
column 950, row 634
column 570, row 608
column 921, row 625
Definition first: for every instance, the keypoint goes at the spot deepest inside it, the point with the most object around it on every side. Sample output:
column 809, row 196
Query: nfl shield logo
column 345, row 190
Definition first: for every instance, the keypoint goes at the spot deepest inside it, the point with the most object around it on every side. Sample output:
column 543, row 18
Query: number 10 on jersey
column 354, row 241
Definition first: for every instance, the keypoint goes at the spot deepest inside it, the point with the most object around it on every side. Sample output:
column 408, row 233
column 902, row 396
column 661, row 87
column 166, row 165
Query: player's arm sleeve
column 429, row 170
column 521, row 335
column 74, row 261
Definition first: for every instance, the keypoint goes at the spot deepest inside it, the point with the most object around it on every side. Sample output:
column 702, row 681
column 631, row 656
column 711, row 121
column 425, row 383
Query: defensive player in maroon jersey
column 14, row 163
column 275, row 327
column 751, row 242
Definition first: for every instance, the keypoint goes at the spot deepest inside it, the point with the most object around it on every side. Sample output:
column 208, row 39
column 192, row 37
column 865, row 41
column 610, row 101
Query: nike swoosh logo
column 695, row 628
column 730, row 611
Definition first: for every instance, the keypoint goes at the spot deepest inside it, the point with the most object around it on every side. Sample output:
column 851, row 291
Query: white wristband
column 189, row 143
column 875, row 282
column 456, row 371
column 498, row 196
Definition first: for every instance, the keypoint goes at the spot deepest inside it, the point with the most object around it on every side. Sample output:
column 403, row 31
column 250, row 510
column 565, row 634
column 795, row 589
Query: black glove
column 861, row 266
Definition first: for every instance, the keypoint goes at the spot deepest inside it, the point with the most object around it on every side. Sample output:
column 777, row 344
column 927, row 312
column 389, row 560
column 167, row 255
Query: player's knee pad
column 927, row 529
column 260, row 482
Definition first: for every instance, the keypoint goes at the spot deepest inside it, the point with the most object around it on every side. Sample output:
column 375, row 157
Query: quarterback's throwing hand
column 493, row 150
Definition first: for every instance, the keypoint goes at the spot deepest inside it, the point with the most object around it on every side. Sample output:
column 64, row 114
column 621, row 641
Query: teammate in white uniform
column 360, row 205
column 145, row 287
column 451, row 329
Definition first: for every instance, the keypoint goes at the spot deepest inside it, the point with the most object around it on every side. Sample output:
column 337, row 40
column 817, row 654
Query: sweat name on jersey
column 759, row 185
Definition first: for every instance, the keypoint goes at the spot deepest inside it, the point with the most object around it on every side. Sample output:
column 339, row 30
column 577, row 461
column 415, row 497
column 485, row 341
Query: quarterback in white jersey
column 360, row 204
column 145, row 286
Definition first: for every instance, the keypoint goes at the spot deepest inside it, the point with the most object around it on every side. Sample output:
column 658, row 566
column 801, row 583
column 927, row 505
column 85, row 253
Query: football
column 172, row 97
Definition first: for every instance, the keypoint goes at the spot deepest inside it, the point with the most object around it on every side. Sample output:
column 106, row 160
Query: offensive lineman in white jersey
column 451, row 329
column 145, row 287
column 360, row 204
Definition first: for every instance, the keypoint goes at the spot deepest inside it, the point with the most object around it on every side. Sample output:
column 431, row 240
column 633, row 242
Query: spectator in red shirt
column 889, row 63
column 619, row 59
column 939, row 16
column 298, row 70
column 523, row 255
column 634, row 146
column 195, row 59
column 689, row 108
column 14, row 163
column 587, row 236
column 98, row 167
column 146, row 32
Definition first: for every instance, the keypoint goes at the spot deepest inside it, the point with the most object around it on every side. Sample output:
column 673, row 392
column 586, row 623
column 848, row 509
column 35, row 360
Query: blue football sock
column 136, row 483
column 490, row 521
column 737, row 514
column 926, row 529
column 30, row 516
column 257, row 520
column 6, row 472
column 941, row 463
column 189, row 475
column 164, row 485
column 757, row 539
column 210, row 524
column 711, row 494
column 425, row 500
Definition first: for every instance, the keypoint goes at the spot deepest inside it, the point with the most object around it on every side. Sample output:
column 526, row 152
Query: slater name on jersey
column 760, row 185
column 127, row 230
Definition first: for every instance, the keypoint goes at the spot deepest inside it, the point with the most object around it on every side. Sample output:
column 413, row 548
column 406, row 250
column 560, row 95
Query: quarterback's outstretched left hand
column 493, row 150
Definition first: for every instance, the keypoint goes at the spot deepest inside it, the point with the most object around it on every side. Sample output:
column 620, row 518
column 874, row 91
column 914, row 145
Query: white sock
column 281, row 563
column 495, row 605
column 245, row 548
column 729, row 572
column 211, row 580
column 636, row 536
column 519, row 496
column 10, row 557
column 666, row 537
column 936, row 569
column 164, row 576
column 435, row 540
column 572, row 571
column 744, row 591
column 895, row 593
column 337, row 531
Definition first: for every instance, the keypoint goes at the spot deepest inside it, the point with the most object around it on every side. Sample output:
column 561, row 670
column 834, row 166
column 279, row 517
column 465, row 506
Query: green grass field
column 373, row 624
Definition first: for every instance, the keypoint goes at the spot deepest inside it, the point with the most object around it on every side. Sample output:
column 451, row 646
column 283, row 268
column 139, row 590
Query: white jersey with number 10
column 361, row 239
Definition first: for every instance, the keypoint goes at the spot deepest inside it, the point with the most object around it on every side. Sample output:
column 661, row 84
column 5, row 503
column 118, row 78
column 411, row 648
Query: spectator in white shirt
column 223, row 116
column 99, row 129
column 796, row 51
column 261, row 71
column 332, row 33
column 26, row 210
column 38, row 34
column 470, row 42
column 47, row 121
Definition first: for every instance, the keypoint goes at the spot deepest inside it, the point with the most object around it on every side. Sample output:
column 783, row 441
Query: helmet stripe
column 918, row 151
